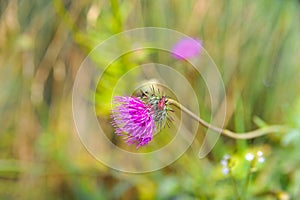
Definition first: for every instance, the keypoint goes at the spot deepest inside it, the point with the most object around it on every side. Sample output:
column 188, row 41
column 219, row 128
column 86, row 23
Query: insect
column 159, row 105
column 162, row 103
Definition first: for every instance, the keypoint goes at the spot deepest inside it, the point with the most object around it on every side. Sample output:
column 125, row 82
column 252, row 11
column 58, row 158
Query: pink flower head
column 133, row 118
column 186, row 48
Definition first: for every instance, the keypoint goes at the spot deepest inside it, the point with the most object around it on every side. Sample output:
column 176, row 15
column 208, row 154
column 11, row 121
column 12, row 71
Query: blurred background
column 255, row 45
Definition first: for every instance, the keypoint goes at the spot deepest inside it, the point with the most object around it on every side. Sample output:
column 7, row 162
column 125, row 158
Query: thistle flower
column 133, row 118
column 186, row 48
column 138, row 118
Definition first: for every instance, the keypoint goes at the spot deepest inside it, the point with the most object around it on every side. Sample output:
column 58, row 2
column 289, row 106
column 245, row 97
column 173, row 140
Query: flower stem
column 246, row 135
column 248, row 179
column 236, row 192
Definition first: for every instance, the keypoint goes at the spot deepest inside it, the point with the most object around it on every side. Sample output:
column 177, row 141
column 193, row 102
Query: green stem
column 247, row 183
column 246, row 135
column 234, row 185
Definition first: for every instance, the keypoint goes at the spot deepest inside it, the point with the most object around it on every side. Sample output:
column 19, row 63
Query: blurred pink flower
column 186, row 48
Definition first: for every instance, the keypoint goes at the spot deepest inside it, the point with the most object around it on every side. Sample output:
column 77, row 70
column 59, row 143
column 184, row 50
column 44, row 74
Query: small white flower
column 249, row 156
column 225, row 170
column 224, row 163
column 226, row 157
column 261, row 159
column 260, row 153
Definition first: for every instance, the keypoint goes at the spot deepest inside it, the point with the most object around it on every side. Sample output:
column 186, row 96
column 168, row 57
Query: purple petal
column 132, row 117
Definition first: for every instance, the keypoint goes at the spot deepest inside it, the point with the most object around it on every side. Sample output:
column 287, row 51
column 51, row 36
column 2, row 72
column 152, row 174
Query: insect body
column 162, row 103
